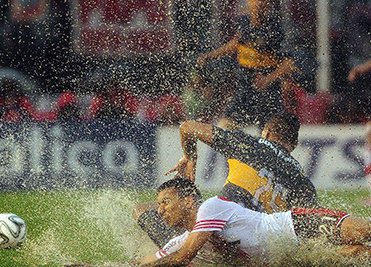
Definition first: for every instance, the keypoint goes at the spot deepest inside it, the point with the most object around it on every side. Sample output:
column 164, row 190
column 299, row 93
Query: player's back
column 262, row 174
column 255, row 232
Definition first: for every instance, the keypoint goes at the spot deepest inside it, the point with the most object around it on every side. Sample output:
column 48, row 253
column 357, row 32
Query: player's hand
column 185, row 167
column 353, row 74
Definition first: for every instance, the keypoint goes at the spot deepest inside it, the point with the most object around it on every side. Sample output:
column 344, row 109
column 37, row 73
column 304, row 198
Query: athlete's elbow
column 186, row 126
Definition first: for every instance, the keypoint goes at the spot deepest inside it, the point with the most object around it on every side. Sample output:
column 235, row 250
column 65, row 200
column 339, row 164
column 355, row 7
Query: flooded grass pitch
column 96, row 227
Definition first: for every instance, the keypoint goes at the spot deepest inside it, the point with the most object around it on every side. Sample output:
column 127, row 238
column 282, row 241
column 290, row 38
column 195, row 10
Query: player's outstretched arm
column 185, row 254
column 226, row 49
column 359, row 70
column 190, row 132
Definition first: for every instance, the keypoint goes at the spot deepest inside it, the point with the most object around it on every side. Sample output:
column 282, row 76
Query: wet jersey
column 258, row 47
column 254, row 232
column 262, row 176
column 173, row 245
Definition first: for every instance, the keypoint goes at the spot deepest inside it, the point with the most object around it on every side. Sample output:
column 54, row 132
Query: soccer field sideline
column 95, row 226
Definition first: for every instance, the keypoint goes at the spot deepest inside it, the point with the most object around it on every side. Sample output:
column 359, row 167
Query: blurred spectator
column 309, row 108
column 11, row 99
column 353, row 102
column 357, row 24
column 112, row 102
column 171, row 109
column 354, row 105
column 350, row 39
column 67, row 106
column 257, row 45
column 360, row 84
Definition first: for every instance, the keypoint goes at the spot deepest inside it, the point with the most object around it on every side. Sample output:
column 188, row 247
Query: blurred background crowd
column 140, row 59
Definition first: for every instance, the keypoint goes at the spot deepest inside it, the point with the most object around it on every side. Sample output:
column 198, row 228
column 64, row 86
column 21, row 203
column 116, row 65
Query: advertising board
column 90, row 154
column 332, row 156
column 123, row 28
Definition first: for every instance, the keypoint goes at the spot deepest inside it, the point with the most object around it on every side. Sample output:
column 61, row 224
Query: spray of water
column 96, row 227
column 111, row 212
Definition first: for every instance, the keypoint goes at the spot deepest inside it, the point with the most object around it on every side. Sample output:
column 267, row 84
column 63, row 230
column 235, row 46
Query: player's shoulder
column 209, row 202
column 216, row 209
column 236, row 136
column 217, row 203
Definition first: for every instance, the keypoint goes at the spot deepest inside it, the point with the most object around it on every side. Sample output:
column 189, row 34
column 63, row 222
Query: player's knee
column 186, row 126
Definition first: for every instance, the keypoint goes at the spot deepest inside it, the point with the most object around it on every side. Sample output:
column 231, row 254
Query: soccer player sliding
column 250, row 233
column 263, row 175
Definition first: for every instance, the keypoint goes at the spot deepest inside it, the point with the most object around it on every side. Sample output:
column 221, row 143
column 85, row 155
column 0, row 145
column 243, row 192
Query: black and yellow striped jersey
column 259, row 47
column 262, row 174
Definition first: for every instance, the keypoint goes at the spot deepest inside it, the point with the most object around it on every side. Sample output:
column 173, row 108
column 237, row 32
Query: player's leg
column 309, row 223
column 355, row 230
column 240, row 111
column 338, row 226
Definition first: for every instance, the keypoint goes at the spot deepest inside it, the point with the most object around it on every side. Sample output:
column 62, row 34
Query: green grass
column 96, row 227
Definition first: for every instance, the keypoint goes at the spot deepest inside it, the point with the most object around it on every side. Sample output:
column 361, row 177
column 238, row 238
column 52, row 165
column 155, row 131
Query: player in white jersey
column 253, row 233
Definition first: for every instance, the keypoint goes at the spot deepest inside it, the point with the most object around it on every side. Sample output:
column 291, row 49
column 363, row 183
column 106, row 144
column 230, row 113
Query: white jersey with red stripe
column 255, row 232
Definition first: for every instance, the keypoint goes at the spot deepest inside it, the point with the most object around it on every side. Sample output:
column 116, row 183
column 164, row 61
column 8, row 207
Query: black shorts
column 318, row 222
column 250, row 106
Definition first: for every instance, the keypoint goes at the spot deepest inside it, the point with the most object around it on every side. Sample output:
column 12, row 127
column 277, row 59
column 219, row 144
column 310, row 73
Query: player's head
column 177, row 198
column 262, row 7
column 283, row 127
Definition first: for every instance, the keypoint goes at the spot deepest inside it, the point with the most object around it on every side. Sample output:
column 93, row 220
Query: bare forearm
column 226, row 49
column 365, row 67
column 171, row 260
column 190, row 132
column 286, row 68
column 187, row 252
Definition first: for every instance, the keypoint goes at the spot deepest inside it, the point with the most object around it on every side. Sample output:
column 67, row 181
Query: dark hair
column 287, row 126
column 183, row 186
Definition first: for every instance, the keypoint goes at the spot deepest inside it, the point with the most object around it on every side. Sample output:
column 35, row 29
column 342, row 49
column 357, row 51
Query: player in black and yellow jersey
column 261, row 65
column 263, row 176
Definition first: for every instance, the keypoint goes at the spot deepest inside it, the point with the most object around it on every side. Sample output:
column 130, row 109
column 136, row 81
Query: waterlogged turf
column 96, row 227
